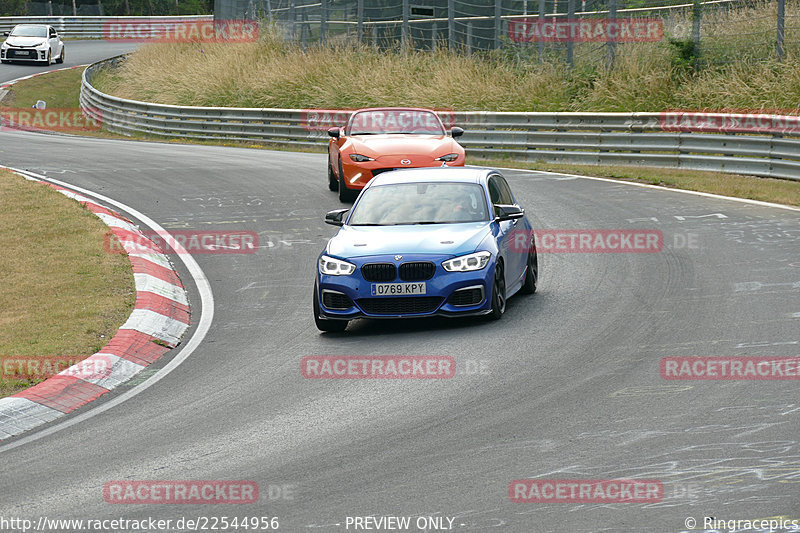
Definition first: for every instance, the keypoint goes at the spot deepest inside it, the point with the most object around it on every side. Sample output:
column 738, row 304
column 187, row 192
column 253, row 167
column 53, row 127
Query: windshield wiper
column 368, row 224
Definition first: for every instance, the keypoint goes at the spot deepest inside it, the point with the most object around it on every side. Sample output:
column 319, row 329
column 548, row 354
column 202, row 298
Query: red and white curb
column 160, row 318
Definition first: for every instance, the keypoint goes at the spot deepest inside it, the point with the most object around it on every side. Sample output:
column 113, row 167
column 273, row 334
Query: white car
column 32, row 42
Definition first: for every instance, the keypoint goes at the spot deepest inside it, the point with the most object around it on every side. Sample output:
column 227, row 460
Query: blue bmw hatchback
column 423, row 242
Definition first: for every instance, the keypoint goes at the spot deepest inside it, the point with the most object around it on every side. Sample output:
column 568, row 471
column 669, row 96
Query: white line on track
column 206, row 317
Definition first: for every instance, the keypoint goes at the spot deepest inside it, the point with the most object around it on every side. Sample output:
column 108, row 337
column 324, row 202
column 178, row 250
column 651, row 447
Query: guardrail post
column 292, row 20
column 360, row 18
column 539, row 20
column 781, row 22
column 305, row 28
column 571, row 41
column 451, row 24
column 405, row 31
column 469, row 37
column 323, row 22
column 433, row 36
column 697, row 15
column 269, row 11
column 498, row 23
column 612, row 43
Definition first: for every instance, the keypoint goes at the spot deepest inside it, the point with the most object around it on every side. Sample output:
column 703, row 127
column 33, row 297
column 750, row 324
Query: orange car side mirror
column 456, row 132
column 334, row 132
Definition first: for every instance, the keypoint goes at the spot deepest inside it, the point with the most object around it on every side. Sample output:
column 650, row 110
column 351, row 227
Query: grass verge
column 63, row 294
column 56, row 88
column 67, row 84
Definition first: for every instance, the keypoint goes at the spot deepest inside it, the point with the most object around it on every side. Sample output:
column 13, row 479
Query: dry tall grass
column 737, row 71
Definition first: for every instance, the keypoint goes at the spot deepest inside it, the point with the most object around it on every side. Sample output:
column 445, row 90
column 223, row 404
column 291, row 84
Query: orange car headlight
column 358, row 158
column 446, row 158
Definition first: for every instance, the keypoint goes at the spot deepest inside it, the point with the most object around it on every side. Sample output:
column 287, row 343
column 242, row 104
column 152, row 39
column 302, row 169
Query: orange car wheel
column 345, row 194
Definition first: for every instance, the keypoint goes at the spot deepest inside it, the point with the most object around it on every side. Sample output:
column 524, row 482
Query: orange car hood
column 401, row 144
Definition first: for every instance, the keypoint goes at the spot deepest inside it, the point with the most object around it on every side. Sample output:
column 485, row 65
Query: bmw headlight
column 330, row 266
column 467, row 263
column 447, row 158
column 358, row 158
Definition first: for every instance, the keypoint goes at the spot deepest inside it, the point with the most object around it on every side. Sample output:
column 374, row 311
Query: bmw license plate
column 398, row 289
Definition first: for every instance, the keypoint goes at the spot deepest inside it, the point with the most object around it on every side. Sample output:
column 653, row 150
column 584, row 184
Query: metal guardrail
column 90, row 27
column 587, row 138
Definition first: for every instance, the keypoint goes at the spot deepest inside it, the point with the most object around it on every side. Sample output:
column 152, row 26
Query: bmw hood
column 402, row 145
column 440, row 239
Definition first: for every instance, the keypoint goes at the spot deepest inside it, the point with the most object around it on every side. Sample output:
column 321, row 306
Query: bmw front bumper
column 446, row 293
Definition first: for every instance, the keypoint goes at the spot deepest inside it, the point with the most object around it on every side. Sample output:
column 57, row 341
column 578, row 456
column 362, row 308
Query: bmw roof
column 418, row 175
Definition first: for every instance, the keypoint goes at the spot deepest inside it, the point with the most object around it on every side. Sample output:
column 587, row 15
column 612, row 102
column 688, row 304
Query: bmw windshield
column 420, row 203
column 408, row 121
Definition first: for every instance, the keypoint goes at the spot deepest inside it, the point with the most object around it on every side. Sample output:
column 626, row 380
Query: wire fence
column 84, row 8
column 719, row 31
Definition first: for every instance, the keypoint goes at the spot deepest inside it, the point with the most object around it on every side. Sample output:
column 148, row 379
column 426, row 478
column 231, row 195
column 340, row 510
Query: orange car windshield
column 383, row 121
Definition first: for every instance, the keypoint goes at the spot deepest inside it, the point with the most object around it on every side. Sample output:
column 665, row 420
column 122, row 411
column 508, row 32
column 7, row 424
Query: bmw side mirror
column 336, row 217
column 456, row 132
column 334, row 132
column 5, row 34
column 508, row 212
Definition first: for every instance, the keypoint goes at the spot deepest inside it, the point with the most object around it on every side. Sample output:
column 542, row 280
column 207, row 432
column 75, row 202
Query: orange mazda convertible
column 381, row 139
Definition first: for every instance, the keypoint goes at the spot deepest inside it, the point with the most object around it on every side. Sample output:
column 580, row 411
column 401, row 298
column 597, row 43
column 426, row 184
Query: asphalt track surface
column 570, row 387
column 78, row 53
